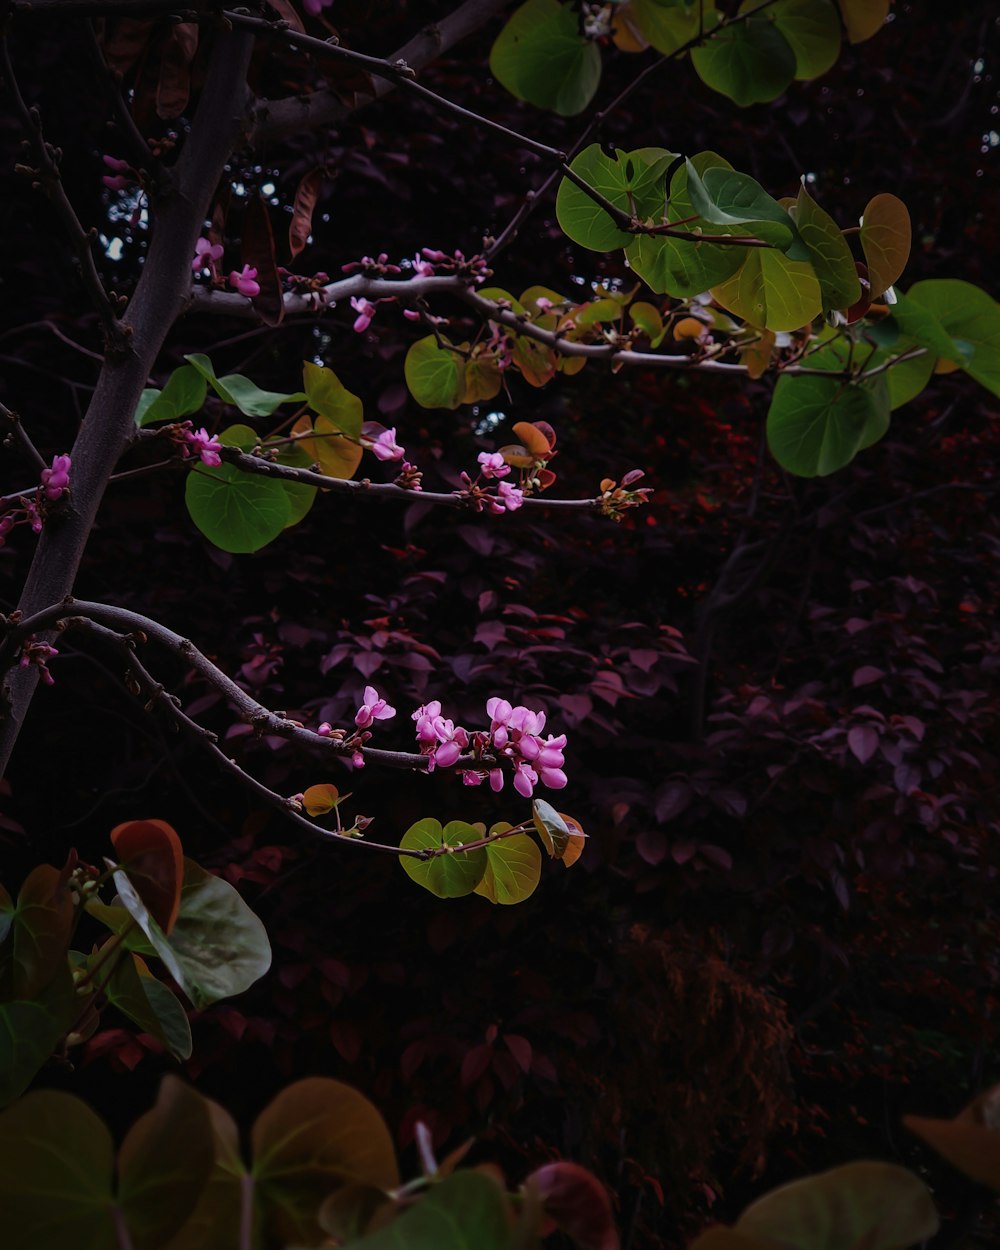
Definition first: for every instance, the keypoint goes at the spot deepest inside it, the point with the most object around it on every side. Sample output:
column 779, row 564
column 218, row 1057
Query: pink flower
column 365, row 310
column 509, row 496
column 245, row 282
column 493, row 464
column 113, row 163
column 372, row 709
column 56, row 479
column 206, row 253
column 385, row 446
column 324, row 730
column 422, row 267
column 205, row 445
column 315, row 7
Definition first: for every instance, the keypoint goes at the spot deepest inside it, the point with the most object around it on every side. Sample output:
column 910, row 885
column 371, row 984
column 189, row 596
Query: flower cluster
column 56, row 479
column 204, row 445
column 492, row 467
column 245, row 281
column 616, row 499
column 206, row 255
column 38, row 654
column 514, row 736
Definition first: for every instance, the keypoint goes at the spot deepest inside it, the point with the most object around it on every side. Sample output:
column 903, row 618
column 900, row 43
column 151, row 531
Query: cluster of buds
column 38, row 654
column 122, row 174
column 617, row 499
column 373, row 707
column 55, row 480
column 431, row 261
column 26, row 514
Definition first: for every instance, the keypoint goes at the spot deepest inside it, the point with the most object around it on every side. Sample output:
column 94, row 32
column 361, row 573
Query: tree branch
column 279, row 119
column 16, row 431
column 159, row 296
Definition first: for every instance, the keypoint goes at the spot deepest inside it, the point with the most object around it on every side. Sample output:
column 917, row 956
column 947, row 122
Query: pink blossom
column 365, row 310
column 422, row 267
column 411, row 314
column 315, row 7
column 324, row 730
column 206, row 253
column 525, row 779
column 493, row 464
column 205, row 445
column 372, row 709
column 385, row 446
column 56, row 479
column 116, row 165
column 244, row 282
column 509, row 496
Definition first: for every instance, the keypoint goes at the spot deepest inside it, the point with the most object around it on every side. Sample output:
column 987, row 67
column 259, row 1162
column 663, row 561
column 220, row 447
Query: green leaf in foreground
column 751, row 62
column 217, row 948
column 631, row 181
column 971, row 318
column 453, row 874
column 468, row 1211
column 30, row 1032
column 830, row 255
column 540, row 56
column 817, row 425
column 876, row 1205
column 183, row 395
column 435, row 375
column 772, row 291
column 56, row 1175
column 513, row 868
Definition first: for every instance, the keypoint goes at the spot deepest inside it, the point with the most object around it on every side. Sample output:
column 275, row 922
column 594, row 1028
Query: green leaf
column 632, row 181
column 922, row 326
column 217, row 1220
column 315, row 1137
column 328, row 396
column 217, row 948
column 772, row 291
column 38, row 932
column 971, row 318
column 864, row 18
column 667, row 24
column 812, row 30
column 552, row 829
column 726, row 197
column 751, row 62
column 150, row 1004
column 876, row 1205
column 830, row 255
column 238, row 512
column 56, row 1170
column 301, row 496
column 183, row 394
column 450, row 875
column 677, row 266
column 239, row 391
column 118, row 920
column 513, row 868
column 164, row 1164
column 435, row 375
column 30, row 1032
column 541, row 57
column 468, row 1211
column 817, row 425
column 885, row 241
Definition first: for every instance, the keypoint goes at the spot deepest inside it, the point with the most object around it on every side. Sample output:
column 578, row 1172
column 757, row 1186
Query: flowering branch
column 410, row 291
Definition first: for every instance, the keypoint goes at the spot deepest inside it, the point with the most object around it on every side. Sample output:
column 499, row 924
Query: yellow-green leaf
column 885, row 240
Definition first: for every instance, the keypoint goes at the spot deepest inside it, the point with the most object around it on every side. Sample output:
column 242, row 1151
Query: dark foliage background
column 781, row 695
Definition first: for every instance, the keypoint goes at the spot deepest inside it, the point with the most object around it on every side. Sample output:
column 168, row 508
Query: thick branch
column 160, row 295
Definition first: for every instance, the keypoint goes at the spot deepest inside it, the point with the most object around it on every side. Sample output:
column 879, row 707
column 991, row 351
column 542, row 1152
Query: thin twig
column 15, row 429
column 46, row 178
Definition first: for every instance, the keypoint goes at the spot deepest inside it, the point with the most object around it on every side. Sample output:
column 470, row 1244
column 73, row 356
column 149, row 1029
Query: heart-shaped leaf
column 468, row 1211
column 513, row 868
column 435, row 375
column 315, row 1137
column 329, row 398
column 540, row 56
column 38, row 931
column 885, row 240
column 450, row 875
